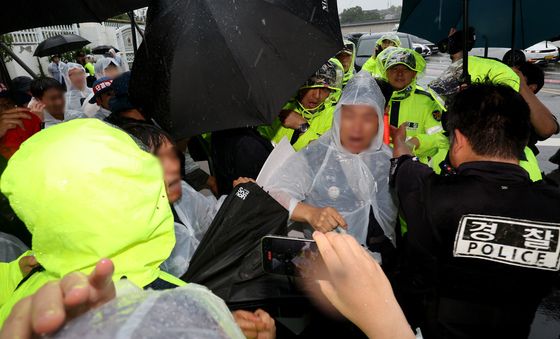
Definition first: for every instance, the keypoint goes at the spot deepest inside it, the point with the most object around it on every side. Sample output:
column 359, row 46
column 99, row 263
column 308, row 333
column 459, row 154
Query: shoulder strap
column 33, row 271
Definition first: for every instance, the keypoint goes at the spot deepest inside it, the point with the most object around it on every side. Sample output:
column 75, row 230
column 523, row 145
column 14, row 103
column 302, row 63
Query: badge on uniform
column 437, row 115
column 509, row 241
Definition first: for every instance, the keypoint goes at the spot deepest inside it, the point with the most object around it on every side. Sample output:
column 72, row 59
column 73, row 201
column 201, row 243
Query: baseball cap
column 100, row 86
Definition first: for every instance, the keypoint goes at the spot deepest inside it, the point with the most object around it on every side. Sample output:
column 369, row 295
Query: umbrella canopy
column 32, row 13
column 103, row 49
column 229, row 63
column 498, row 23
column 59, row 44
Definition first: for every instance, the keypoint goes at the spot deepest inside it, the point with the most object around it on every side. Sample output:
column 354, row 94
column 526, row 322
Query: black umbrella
column 62, row 12
column 103, row 49
column 208, row 65
column 59, row 44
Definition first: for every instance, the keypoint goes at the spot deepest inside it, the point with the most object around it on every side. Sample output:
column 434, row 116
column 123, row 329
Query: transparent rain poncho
column 326, row 174
column 195, row 212
column 75, row 95
column 191, row 311
column 102, row 64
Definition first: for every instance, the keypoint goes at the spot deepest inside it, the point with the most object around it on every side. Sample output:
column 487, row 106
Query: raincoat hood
column 102, row 64
column 330, row 76
column 87, row 191
column 402, row 56
column 349, row 47
column 69, row 69
column 391, row 37
column 362, row 89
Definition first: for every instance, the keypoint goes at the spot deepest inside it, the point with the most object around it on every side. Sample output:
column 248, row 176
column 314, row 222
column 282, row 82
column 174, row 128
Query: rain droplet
column 258, row 58
column 263, row 21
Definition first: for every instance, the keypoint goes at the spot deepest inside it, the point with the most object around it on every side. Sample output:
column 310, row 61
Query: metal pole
column 18, row 60
column 139, row 30
column 513, row 10
column 466, row 78
column 133, row 31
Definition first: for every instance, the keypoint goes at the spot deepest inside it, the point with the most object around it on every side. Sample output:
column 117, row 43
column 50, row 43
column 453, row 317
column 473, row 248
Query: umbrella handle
column 465, row 77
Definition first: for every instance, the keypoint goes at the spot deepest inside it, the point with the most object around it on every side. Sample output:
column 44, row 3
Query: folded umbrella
column 103, row 49
column 59, row 44
column 208, row 65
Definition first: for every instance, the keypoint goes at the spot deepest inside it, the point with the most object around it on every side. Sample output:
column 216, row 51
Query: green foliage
column 71, row 56
column 7, row 39
column 357, row 14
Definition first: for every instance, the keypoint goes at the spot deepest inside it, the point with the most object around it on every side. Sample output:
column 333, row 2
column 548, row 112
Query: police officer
column 410, row 103
column 310, row 114
column 489, row 70
column 482, row 244
column 386, row 41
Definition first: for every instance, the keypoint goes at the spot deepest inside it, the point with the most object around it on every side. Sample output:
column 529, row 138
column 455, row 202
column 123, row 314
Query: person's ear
column 459, row 140
column 533, row 88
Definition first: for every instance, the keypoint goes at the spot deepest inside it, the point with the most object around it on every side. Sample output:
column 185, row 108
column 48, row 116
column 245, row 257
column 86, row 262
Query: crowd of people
column 427, row 205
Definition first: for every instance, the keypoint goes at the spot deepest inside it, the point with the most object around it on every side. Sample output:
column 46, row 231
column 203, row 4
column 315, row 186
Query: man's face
column 400, row 76
column 314, row 97
column 56, row 60
column 54, row 101
column 171, row 165
column 103, row 99
column 359, row 124
column 346, row 60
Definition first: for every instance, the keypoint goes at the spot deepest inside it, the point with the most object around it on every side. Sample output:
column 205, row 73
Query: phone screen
column 287, row 256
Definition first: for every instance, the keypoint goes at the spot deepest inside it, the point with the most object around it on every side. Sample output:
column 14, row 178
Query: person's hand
column 212, row 185
column 11, row 118
column 398, row 137
column 522, row 79
column 292, row 120
column 56, row 302
column 359, row 289
column 27, row 264
column 324, row 219
column 242, row 180
column 259, row 324
column 37, row 108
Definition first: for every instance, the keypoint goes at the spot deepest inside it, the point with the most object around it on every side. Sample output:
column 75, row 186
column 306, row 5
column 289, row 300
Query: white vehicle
column 425, row 50
column 542, row 52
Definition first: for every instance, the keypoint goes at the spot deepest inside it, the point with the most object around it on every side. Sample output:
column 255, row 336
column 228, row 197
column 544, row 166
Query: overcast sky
column 367, row 4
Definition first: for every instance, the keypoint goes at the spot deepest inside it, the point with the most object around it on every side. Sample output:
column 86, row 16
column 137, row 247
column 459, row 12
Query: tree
column 7, row 40
column 353, row 14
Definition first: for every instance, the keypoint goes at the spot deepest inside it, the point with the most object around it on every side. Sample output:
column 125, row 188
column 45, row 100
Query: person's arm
column 542, row 119
column 357, row 287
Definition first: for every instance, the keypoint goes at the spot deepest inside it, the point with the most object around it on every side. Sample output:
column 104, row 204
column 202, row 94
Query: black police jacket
column 482, row 247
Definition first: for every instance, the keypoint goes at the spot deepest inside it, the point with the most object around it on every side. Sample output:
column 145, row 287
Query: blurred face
column 53, row 99
column 171, row 165
column 78, row 79
column 112, row 71
column 56, row 59
column 400, row 76
column 346, row 60
column 103, row 99
column 314, row 97
column 358, row 127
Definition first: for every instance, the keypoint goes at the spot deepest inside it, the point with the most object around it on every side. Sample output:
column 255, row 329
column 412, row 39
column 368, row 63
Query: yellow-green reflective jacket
column 86, row 191
column 423, row 113
column 371, row 66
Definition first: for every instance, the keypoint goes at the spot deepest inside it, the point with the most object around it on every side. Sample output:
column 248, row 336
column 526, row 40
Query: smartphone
column 288, row 256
